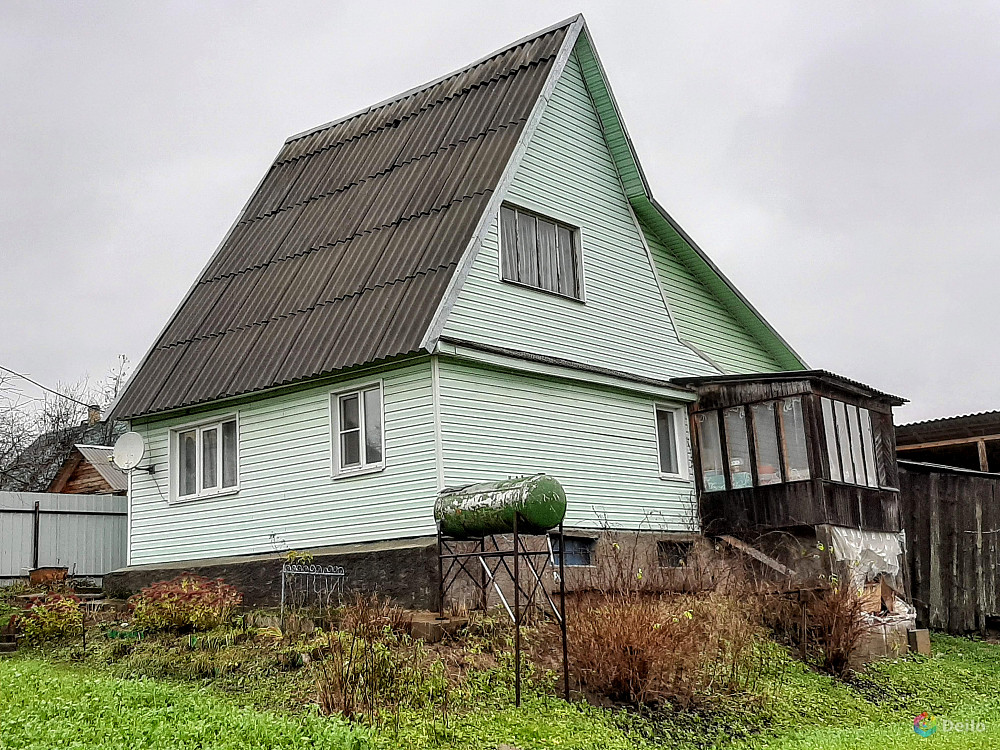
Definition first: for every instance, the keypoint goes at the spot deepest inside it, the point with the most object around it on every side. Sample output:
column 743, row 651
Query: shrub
column 54, row 617
column 372, row 668
column 187, row 602
column 650, row 649
column 837, row 626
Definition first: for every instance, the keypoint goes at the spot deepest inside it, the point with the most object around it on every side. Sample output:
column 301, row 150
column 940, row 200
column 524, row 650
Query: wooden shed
column 794, row 449
column 952, row 521
column 88, row 470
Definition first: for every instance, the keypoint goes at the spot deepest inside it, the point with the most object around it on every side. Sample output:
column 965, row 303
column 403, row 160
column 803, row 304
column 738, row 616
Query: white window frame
column 201, row 427
column 337, row 471
column 578, row 246
column 680, row 440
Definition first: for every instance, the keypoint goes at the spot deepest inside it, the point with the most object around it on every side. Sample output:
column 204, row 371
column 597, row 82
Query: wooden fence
column 952, row 523
column 85, row 533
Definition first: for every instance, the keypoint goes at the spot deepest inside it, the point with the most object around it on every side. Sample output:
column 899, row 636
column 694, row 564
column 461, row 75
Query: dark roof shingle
column 345, row 251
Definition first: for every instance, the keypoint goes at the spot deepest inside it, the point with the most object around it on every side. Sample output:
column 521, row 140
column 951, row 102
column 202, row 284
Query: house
column 88, row 470
column 949, row 472
column 465, row 282
column 36, row 467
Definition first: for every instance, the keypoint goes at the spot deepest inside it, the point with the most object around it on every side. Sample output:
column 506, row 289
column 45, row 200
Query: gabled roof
column 99, row 456
column 344, row 252
column 356, row 242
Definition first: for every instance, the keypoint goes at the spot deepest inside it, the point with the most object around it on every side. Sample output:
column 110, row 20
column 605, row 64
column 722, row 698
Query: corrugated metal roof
column 949, row 428
column 344, row 252
column 99, row 457
column 793, row 375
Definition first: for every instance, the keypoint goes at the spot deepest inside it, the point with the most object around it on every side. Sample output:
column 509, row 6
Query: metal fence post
column 34, row 541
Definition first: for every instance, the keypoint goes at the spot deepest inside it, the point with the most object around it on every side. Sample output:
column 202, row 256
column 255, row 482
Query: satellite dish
column 129, row 450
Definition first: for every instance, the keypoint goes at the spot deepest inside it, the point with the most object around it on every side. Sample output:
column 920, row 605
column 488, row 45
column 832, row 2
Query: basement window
column 672, row 554
column 358, row 441
column 204, row 459
column 540, row 253
column 579, row 550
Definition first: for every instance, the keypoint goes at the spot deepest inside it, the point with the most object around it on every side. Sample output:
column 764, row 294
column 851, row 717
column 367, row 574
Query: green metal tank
column 478, row 510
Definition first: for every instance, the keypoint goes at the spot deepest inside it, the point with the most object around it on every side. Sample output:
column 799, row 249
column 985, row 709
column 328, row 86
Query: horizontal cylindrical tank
column 478, row 510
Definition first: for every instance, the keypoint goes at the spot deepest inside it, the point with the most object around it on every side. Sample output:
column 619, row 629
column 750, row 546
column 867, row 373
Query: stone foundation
column 402, row 570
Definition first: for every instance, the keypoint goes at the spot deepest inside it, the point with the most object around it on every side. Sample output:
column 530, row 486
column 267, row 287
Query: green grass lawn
column 51, row 705
column 45, row 706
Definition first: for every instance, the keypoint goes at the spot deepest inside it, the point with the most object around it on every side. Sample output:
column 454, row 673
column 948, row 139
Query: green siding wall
column 600, row 443
column 286, row 486
column 568, row 173
column 703, row 320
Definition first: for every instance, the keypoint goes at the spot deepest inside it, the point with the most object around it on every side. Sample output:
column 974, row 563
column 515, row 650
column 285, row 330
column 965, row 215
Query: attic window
column 540, row 252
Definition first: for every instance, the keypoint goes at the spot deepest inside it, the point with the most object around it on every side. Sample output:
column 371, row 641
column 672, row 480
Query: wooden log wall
column 952, row 523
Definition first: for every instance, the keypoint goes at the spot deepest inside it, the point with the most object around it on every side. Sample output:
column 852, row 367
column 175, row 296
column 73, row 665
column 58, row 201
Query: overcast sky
column 839, row 161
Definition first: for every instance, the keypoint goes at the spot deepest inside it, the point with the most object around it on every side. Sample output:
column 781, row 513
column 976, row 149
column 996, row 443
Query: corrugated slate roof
column 980, row 424
column 345, row 251
column 99, row 457
column 826, row 375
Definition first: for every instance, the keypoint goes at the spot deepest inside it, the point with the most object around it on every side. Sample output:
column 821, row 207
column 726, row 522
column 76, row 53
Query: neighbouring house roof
column 39, row 463
column 983, row 424
column 99, row 456
column 817, row 375
column 349, row 251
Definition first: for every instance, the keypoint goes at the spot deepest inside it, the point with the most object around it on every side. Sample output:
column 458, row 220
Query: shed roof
column 949, row 428
column 343, row 254
column 817, row 375
column 99, row 456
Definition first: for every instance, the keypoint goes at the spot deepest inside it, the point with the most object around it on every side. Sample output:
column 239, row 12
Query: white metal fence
column 85, row 533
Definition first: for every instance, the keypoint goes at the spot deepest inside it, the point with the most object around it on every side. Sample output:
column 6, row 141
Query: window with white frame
column 206, row 459
column 358, row 441
column 669, row 438
column 540, row 252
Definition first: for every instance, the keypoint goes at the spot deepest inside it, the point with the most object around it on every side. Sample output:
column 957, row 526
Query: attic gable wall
column 703, row 320
column 568, row 173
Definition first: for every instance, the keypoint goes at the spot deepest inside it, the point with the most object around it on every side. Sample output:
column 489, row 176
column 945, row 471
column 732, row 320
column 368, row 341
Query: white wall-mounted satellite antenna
column 128, row 452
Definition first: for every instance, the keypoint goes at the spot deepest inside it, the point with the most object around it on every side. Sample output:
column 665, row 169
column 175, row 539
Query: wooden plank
column 952, row 441
column 757, row 555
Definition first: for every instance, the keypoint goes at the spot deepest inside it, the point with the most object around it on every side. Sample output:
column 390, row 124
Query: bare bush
column 649, row 635
column 649, row 649
column 837, row 626
column 370, row 668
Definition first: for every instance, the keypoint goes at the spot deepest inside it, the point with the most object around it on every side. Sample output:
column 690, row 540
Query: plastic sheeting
column 870, row 552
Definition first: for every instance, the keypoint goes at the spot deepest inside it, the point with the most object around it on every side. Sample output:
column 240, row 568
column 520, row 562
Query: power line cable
column 44, row 388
